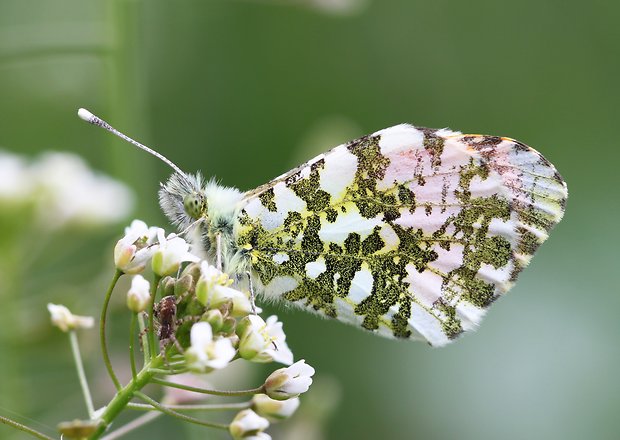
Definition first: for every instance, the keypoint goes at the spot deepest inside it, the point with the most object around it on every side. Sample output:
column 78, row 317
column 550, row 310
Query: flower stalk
column 79, row 365
column 152, row 343
column 132, row 338
column 144, row 339
column 205, row 407
column 249, row 392
column 102, row 324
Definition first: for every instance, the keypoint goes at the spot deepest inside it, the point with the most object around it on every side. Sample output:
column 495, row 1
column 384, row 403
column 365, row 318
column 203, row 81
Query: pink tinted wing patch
column 483, row 204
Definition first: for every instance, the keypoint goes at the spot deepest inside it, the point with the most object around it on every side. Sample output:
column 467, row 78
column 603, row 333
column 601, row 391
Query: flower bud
column 289, row 382
column 193, row 269
column 215, row 318
column 228, row 326
column 139, row 295
column 183, row 285
column 166, row 287
column 274, row 410
column 247, row 424
column 78, row 428
column 65, row 320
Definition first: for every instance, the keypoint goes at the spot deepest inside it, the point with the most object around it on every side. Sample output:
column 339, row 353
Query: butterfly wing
column 409, row 233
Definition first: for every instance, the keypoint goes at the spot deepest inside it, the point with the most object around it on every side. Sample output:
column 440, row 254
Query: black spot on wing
column 267, row 200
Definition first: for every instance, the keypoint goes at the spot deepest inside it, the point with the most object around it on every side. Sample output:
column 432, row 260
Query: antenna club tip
column 85, row 115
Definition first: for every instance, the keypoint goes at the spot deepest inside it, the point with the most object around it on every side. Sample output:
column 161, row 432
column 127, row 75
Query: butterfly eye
column 195, row 205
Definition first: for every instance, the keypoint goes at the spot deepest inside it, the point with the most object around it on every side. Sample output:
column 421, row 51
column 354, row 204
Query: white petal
column 201, row 335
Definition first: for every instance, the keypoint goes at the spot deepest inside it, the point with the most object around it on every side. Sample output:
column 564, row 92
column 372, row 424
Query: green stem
column 132, row 357
column 24, row 428
column 205, row 407
column 75, row 349
column 169, row 371
column 144, row 338
column 183, row 417
column 151, row 330
column 259, row 390
column 124, row 395
column 102, row 322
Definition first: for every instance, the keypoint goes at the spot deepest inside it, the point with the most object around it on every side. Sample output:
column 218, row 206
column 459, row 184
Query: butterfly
column 408, row 232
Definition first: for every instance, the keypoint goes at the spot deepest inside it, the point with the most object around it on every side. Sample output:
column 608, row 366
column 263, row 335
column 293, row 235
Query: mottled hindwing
column 409, row 233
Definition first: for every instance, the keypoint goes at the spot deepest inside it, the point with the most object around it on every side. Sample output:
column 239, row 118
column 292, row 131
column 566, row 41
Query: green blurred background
column 244, row 90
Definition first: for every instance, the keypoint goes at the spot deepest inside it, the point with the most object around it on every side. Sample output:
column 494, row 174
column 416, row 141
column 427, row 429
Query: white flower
column 257, row 436
column 140, row 230
column 272, row 409
column 262, row 341
column 65, row 320
column 210, row 277
column 135, row 249
column 71, row 193
column 139, row 295
column 248, row 424
column 171, row 252
column 63, row 190
column 15, row 182
column 213, row 289
column 289, row 382
column 206, row 352
column 241, row 305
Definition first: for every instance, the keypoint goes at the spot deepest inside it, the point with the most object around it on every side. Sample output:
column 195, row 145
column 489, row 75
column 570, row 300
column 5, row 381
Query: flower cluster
column 204, row 321
column 61, row 190
column 209, row 321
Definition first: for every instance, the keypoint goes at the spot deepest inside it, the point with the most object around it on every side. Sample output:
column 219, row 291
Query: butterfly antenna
column 96, row 120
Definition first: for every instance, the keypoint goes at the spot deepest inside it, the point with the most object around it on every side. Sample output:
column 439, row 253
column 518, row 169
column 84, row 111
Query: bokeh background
column 244, row 90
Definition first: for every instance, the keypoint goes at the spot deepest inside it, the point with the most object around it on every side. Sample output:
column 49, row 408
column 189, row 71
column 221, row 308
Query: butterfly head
column 183, row 199
column 205, row 210
column 195, row 205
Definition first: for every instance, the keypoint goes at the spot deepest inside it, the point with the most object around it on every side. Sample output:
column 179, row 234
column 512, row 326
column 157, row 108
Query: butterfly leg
column 218, row 251
column 252, row 297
